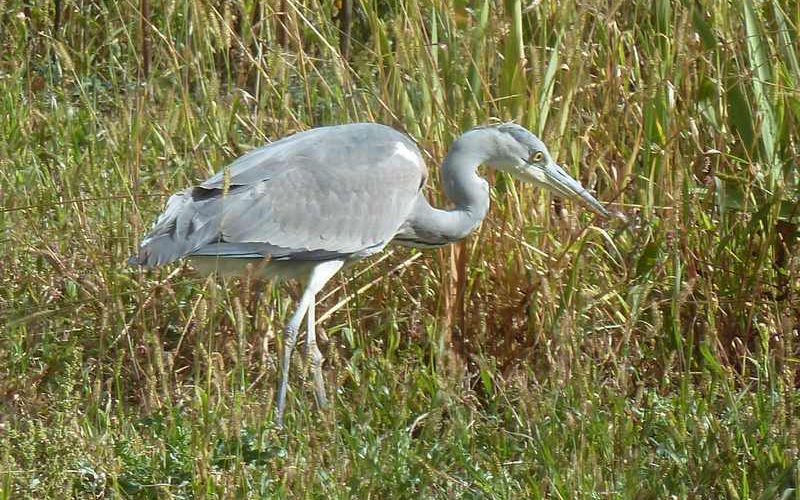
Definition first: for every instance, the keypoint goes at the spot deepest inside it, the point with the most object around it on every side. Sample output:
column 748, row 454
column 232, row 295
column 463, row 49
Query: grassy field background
column 549, row 355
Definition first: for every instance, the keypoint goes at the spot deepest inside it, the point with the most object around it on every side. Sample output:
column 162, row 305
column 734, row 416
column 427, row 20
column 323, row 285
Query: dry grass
column 639, row 360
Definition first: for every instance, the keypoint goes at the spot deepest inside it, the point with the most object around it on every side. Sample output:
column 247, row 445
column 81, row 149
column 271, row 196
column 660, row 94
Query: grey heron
column 308, row 204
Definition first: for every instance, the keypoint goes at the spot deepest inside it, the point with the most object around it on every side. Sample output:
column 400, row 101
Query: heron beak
column 556, row 179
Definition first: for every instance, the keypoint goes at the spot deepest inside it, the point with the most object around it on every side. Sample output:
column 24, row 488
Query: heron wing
column 316, row 195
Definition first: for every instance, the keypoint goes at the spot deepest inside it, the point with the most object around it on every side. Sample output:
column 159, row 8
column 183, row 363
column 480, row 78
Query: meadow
column 552, row 354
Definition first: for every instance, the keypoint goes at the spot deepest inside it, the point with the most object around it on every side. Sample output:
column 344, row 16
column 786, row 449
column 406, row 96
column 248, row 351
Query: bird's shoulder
column 343, row 151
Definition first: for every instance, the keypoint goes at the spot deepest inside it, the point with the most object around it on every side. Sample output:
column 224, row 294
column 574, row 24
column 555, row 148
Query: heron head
column 524, row 156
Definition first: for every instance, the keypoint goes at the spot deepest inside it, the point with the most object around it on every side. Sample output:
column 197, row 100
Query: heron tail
column 177, row 232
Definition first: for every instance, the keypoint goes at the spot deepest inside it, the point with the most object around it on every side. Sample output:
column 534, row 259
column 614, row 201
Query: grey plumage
column 310, row 196
column 310, row 203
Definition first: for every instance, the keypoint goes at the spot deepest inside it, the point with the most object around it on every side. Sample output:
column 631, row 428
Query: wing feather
column 327, row 192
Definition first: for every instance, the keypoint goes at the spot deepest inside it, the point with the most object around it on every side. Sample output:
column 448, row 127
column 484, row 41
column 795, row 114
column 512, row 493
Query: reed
column 647, row 359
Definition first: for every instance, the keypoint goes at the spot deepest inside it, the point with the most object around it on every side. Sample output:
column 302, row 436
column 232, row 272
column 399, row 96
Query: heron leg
column 320, row 275
column 314, row 354
column 289, row 341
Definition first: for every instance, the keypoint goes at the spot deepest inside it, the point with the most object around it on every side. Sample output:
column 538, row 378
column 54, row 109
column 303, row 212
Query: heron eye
column 537, row 157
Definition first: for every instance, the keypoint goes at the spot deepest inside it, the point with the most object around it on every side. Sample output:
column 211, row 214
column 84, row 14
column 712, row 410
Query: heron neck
column 460, row 180
column 468, row 192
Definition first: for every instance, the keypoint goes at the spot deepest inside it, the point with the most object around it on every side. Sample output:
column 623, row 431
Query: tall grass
column 549, row 355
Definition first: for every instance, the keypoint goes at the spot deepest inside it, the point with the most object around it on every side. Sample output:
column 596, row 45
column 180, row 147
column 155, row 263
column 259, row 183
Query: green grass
column 637, row 360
